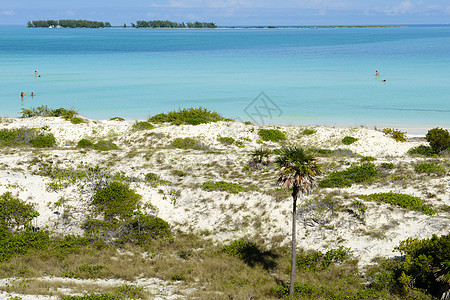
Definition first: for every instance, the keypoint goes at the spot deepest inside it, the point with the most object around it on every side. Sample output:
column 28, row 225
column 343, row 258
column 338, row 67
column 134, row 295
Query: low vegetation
column 402, row 200
column 271, row 135
column 396, row 134
column 348, row 140
column 26, row 137
column 439, row 139
column 189, row 116
column 357, row 174
column 224, row 186
column 102, row 145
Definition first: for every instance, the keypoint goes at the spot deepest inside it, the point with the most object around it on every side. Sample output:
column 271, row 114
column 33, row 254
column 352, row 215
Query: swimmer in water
column 384, row 80
column 37, row 75
column 377, row 73
column 22, row 94
column 32, row 94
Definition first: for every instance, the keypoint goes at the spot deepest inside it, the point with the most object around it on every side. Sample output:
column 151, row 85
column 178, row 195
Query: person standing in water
column 377, row 73
column 32, row 94
column 22, row 94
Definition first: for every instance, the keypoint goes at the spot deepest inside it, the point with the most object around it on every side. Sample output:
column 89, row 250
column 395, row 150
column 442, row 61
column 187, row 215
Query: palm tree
column 299, row 171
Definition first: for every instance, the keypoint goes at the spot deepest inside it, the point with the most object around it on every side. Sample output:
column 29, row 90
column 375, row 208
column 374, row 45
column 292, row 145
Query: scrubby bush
column 76, row 120
column 396, row 134
column 117, row 119
column 426, row 263
column 387, row 165
column 319, row 261
column 85, row 143
column 430, row 168
column 308, row 131
column 348, row 140
column 223, row 186
column 155, row 179
column 190, row 116
column 143, row 228
column 44, row 111
column 363, row 173
column 188, row 143
column 25, row 137
column 143, row 125
column 272, row 135
column 439, row 139
column 226, row 140
column 15, row 214
column 422, row 150
column 116, row 200
column 104, row 145
column 402, row 200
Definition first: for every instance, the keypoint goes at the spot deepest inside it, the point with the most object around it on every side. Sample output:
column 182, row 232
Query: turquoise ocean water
column 312, row 76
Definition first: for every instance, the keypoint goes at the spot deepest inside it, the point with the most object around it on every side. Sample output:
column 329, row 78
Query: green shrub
column 20, row 243
column 396, row 134
column 104, row 145
column 426, row 260
column 143, row 126
column 44, row 111
column 348, row 140
column 223, row 186
column 188, row 143
column 387, row 165
column 226, row 140
column 439, row 139
column 363, row 173
column 190, row 116
column 320, row 261
column 155, row 179
column 85, row 143
column 117, row 119
column 308, row 131
column 368, row 158
column 116, row 200
column 430, row 168
column 76, row 120
column 15, row 214
column 142, row 228
column 402, row 200
column 43, row 141
column 422, row 150
column 272, row 135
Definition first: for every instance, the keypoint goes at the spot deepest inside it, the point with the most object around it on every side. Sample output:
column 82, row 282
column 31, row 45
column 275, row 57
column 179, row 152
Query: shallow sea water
column 268, row 76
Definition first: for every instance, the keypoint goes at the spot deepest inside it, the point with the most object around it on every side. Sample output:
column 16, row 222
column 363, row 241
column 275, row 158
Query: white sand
column 220, row 215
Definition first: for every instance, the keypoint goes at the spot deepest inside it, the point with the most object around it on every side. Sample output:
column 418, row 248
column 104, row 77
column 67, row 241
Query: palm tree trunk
column 294, row 245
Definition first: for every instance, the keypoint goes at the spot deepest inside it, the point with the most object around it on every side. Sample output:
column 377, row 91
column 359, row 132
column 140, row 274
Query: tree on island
column 171, row 24
column 68, row 23
column 298, row 171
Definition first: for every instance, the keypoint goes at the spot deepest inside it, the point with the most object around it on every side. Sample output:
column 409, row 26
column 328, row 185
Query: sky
column 232, row 12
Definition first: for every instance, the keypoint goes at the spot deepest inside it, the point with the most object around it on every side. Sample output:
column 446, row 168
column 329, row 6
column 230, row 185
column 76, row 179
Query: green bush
column 93, row 297
column 117, row 119
column 44, row 111
column 430, row 168
column 188, row 143
column 20, row 243
column 143, row 228
column 396, row 134
column 308, row 131
column 116, row 200
column 319, row 261
column 76, row 120
column 85, row 143
column 368, row 158
column 43, row 141
column 272, row 135
column 230, row 187
column 402, row 200
column 104, row 145
column 439, row 139
column 358, row 174
column 348, row 140
column 387, row 165
column 143, row 126
column 422, row 150
column 226, row 140
column 15, row 214
column 425, row 261
column 25, row 137
column 189, row 116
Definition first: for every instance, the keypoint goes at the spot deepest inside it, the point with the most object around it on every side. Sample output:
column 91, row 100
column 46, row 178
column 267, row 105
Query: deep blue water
column 312, row 76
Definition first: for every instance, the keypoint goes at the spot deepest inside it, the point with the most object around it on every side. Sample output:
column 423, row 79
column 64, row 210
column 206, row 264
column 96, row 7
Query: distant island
column 162, row 24
column 67, row 24
column 170, row 24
